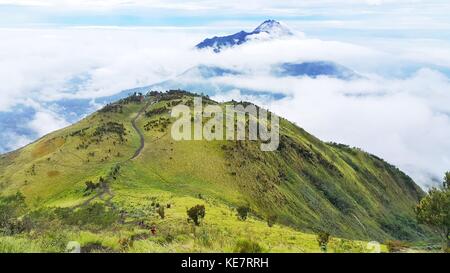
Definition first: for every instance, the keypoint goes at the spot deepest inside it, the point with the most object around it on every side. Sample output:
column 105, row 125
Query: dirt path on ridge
column 138, row 131
column 106, row 190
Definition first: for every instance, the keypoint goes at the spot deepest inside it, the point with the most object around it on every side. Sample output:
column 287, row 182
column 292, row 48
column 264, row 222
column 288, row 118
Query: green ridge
column 307, row 184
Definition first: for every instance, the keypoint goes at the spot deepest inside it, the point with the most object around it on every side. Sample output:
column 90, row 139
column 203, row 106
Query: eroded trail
column 105, row 190
column 138, row 131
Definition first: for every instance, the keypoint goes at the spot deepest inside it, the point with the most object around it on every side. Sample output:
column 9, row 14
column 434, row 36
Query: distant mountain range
column 269, row 29
column 202, row 77
column 315, row 69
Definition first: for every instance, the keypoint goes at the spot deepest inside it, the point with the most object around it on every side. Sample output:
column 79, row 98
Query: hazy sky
column 406, row 15
column 400, row 110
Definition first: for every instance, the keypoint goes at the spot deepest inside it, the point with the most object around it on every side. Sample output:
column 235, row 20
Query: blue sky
column 370, row 14
column 346, row 20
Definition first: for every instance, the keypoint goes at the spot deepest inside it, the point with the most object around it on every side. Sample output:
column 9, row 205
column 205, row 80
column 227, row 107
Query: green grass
column 220, row 231
column 308, row 184
column 18, row 245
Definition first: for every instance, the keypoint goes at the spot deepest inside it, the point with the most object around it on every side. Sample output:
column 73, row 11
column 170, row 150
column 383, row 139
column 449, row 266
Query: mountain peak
column 272, row 27
column 269, row 29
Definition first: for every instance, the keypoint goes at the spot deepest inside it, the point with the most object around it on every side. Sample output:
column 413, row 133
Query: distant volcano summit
column 273, row 28
column 269, row 29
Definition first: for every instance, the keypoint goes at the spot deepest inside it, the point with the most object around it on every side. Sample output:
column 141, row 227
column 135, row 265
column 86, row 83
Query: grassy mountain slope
column 307, row 184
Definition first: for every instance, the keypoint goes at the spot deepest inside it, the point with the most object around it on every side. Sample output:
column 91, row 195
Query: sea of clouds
column 399, row 109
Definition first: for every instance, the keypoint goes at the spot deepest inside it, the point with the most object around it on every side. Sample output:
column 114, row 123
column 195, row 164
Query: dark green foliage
column 114, row 172
column 328, row 165
column 323, row 238
column 90, row 186
column 41, row 219
column 135, row 97
column 81, row 132
column 112, row 108
column 347, row 246
column 54, row 239
column 434, row 211
column 330, row 192
column 95, row 247
column 400, row 225
column 447, row 180
column 196, row 214
column 307, row 154
column 32, row 170
column 340, row 145
column 93, row 215
column 11, row 208
column 157, row 111
column 161, row 212
column 170, row 95
column 102, row 182
column 154, row 93
column 271, row 220
column 287, row 144
column 102, row 131
column 174, row 102
column 395, row 245
column 110, row 128
column 247, row 246
column 243, row 212
column 161, row 123
column 352, row 164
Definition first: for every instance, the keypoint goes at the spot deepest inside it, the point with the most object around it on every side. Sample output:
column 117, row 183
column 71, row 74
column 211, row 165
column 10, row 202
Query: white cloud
column 13, row 140
column 42, row 63
column 45, row 122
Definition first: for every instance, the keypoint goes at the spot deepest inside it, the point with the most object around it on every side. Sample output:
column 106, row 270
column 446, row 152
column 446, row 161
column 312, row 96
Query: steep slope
column 307, row 184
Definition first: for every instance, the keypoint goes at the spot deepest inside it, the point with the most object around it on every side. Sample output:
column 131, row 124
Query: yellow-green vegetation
column 86, row 183
column 220, row 231
column 434, row 211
